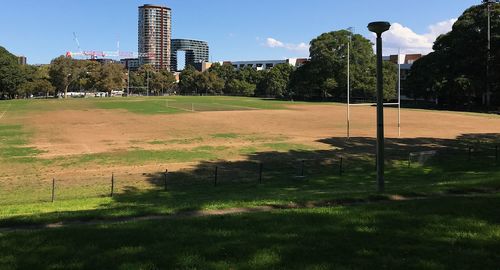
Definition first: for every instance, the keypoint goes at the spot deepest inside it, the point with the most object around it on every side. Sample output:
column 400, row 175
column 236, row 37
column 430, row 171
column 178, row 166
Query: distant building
column 154, row 36
column 405, row 66
column 266, row 64
column 411, row 58
column 205, row 66
column 104, row 60
column 130, row 63
column 197, row 53
column 22, row 60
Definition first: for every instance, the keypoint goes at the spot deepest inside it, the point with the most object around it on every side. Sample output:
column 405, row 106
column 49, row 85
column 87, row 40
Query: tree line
column 323, row 77
column 65, row 74
column 455, row 74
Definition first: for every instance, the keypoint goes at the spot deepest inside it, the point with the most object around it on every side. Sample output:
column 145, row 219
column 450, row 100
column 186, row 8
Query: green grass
column 147, row 106
column 237, row 186
column 439, row 233
column 13, row 139
column 142, row 105
column 184, row 104
column 138, row 157
column 445, row 233
column 225, row 136
column 282, row 146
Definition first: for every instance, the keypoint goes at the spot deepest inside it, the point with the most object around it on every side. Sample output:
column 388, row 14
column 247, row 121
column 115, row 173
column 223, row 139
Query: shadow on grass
column 301, row 176
column 446, row 233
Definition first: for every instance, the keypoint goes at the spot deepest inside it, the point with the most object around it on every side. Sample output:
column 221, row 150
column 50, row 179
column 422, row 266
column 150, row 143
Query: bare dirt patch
column 83, row 132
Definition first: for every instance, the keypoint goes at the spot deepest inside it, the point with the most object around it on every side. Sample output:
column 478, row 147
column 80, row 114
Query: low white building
column 265, row 64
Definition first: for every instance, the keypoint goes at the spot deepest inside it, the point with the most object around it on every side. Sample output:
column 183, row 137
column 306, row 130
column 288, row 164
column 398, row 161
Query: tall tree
column 187, row 80
column 226, row 73
column 11, row 74
column 455, row 73
column 63, row 72
column 325, row 75
column 162, row 81
column 37, row 82
column 276, row 81
column 112, row 77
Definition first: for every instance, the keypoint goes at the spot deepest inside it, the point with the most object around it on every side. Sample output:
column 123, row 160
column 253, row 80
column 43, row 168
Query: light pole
column 128, row 81
column 351, row 30
column 488, row 50
column 147, row 83
column 379, row 28
column 348, row 87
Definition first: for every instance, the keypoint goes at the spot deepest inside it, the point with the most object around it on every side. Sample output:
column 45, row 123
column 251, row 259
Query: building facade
column 405, row 63
column 21, row 60
column 197, row 52
column 266, row 64
column 154, row 34
column 130, row 63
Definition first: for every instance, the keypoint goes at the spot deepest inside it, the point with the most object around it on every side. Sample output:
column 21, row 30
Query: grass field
column 449, row 233
column 82, row 143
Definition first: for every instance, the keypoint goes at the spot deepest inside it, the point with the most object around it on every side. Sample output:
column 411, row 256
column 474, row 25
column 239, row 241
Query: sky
column 235, row 29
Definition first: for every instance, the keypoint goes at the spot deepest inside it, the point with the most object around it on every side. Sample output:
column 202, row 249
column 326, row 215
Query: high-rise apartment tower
column 155, row 30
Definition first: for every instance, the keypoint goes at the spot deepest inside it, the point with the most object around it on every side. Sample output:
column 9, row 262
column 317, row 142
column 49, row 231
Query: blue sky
column 235, row 29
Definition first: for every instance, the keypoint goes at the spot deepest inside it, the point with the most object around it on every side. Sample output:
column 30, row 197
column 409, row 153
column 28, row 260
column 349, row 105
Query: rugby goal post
column 348, row 124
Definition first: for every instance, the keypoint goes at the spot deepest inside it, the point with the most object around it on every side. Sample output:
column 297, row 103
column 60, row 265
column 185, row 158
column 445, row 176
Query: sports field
column 81, row 143
column 92, row 164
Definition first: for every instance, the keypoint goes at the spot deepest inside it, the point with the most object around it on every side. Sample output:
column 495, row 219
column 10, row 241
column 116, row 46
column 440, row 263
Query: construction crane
column 95, row 54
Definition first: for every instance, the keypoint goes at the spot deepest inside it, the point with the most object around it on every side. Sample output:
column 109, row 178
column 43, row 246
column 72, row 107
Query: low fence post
column 53, row 189
column 496, row 154
column 302, row 168
column 260, row 172
column 215, row 176
column 112, row 184
column 340, row 165
column 470, row 153
column 165, row 181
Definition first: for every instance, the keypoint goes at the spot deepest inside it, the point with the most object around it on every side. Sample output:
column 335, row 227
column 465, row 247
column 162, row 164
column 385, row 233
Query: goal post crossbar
column 373, row 104
column 348, row 114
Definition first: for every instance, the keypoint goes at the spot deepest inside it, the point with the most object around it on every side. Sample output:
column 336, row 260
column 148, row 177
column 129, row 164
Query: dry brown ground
column 81, row 132
column 76, row 132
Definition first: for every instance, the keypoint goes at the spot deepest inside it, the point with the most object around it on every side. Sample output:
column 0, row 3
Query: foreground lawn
column 239, row 186
column 445, row 233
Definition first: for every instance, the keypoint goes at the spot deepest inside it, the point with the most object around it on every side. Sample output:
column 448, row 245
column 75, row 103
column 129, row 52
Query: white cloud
column 400, row 36
column 274, row 43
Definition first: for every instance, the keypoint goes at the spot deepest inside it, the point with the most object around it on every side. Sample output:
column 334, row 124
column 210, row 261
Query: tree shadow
column 299, row 176
column 409, row 235
column 345, row 171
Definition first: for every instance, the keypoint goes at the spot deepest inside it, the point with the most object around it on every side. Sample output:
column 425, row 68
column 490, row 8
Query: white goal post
column 348, row 124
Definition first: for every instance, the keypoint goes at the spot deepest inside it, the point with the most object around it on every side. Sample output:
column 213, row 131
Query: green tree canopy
column 455, row 72
column 112, row 77
column 276, row 82
column 63, row 72
column 325, row 75
column 162, row 80
column 12, row 75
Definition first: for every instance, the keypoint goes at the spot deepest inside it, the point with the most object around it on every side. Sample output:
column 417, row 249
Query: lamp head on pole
column 379, row 27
